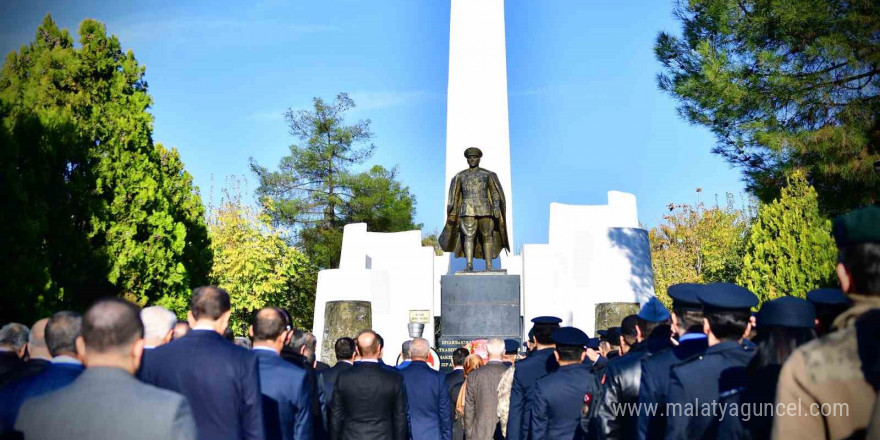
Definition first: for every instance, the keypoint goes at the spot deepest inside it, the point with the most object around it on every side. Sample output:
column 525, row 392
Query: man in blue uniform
column 623, row 376
column 558, row 399
column 540, row 363
column 696, row 386
column 687, row 324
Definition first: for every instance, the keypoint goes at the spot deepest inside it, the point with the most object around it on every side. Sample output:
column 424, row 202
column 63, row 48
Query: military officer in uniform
column 476, row 206
column 540, row 363
column 828, row 372
column 558, row 399
column 700, row 382
column 687, row 324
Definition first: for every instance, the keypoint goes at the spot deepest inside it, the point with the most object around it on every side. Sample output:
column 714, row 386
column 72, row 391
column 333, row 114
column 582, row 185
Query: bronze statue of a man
column 476, row 206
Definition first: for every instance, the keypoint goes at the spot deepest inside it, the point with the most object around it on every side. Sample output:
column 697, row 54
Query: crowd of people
column 709, row 368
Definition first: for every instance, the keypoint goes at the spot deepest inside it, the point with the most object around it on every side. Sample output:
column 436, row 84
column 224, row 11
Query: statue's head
column 473, row 155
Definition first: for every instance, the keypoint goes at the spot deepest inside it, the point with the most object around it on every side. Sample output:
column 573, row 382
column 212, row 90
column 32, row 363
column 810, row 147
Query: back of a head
column 728, row 325
column 269, row 324
column 111, row 325
column 495, row 347
column 459, row 355
column 158, row 321
column 14, row 335
column 298, row 340
column 471, row 363
column 209, row 302
column 311, row 342
column 368, row 344
column 628, row 329
column 419, row 349
column 857, row 235
column 404, row 349
column 180, row 330
column 344, row 349
column 37, row 339
column 61, row 332
column 543, row 333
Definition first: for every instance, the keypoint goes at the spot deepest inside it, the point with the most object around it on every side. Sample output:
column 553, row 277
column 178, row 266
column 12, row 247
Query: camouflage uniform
column 504, row 388
column 828, row 372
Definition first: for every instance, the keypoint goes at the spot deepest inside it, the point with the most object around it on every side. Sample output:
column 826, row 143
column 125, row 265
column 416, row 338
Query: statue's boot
column 469, row 253
column 487, row 253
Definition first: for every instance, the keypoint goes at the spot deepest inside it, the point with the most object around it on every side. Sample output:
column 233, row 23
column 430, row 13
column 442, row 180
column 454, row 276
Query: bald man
column 369, row 401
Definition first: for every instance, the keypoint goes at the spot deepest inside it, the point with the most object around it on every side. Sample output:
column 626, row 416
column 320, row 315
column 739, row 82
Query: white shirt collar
column 203, row 327
column 66, row 360
column 264, row 348
column 5, row 350
column 495, row 360
column 347, row 362
column 149, row 347
column 458, row 368
column 372, row 361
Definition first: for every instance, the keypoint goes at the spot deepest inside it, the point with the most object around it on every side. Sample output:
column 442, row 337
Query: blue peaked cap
column 654, row 311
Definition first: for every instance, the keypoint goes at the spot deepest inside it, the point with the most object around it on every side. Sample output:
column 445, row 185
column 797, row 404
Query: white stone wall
column 595, row 254
column 393, row 271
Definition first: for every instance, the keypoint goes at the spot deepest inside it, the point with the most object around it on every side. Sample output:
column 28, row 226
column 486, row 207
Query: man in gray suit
column 481, row 398
column 106, row 401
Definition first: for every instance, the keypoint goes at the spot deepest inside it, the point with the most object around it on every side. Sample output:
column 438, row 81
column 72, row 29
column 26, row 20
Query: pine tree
column 784, row 85
column 790, row 249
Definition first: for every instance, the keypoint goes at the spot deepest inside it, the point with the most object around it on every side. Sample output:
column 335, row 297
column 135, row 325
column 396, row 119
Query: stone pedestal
column 610, row 314
column 477, row 305
column 343, row 319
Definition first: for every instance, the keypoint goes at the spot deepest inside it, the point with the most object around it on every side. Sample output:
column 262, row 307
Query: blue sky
column 586, row 116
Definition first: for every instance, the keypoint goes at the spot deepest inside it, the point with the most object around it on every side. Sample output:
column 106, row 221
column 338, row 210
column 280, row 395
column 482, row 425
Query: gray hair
column 158, row 321
column 14, row 334
column 419, row 349
column 61, row 332
column 495, row 347
column 405, row 349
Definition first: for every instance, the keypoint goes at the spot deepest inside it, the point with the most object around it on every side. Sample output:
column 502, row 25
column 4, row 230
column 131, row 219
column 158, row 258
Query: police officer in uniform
column 623, row 376
column 540, row 363
column 720, row 370
column 687, row 324
column 829, row 304
column 558, row 399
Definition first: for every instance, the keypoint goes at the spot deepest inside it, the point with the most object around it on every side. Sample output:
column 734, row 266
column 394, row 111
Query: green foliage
column 695, row 244
column 784, row 85
column 316, row 192
column 91, row 207
column 254, row 263
column 790, row 249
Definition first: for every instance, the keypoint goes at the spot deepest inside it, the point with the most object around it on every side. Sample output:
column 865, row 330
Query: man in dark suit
column 687, row 323
column 220, row 379
column 720, row 369
column 369, row 401
column 344, row 348
column 540, row 363
column 454, row 380
column 106, row 402
column 287, row 399
column 61, row 333
column 297, row 352
column 558, row 398
column 13, row 348
column 426, row 395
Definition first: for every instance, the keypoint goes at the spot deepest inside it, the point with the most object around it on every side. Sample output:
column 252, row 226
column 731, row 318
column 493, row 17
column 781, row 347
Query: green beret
column 859, row 226
column 473, row 151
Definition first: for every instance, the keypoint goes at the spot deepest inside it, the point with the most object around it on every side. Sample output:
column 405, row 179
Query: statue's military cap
column 787, row 311
column 653, row 311
column 684, row 296
column 570, row 336
column 473, row 151
column 726, row 296
column 859, row 226
column 827, row 297
column 511, row 346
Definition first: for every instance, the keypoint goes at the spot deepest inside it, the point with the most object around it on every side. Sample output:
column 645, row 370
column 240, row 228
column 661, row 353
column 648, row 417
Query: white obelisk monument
column 476, row 101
